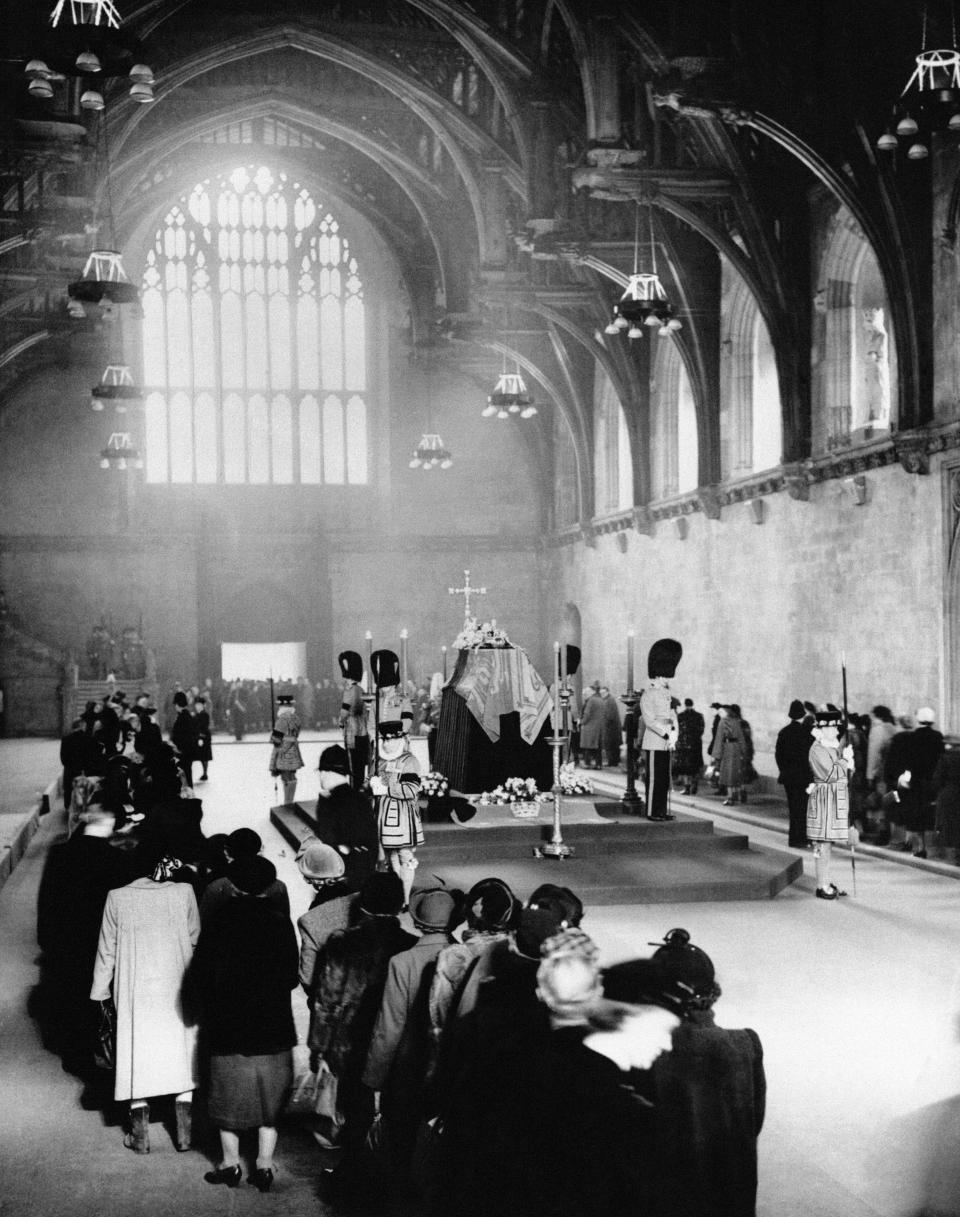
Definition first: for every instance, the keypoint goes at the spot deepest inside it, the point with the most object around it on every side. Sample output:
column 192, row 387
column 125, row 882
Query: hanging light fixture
column 430, row 453
column 120, row 452
column 644, row 302
column 930, row 100
column 510, row 395
column 103, row 279
column 116, row 385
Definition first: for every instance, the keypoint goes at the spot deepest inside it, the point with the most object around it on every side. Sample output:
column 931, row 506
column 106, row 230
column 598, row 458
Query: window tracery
column 253, row 315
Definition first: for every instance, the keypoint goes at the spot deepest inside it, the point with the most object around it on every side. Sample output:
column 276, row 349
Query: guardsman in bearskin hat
column 659, row 721
column 353, row 717
column 828, row 804
column 396, row 787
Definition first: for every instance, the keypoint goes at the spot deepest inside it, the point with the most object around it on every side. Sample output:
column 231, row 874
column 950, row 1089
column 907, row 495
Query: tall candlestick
column 556, row 665
column 369, row 637
column 630, row 636
column 403, row 660
column 443, row 652
column 563, row 665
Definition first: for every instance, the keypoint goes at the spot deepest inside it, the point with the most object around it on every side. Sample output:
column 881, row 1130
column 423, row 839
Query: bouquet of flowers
column 513, row 790
column 434, row 785
column 572, row 782
column 475, row 635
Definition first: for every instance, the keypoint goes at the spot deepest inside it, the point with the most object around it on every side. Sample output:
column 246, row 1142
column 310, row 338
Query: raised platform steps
column 623, row 861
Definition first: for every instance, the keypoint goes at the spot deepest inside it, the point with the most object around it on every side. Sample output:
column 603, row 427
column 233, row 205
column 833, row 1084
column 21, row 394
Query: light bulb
column 445, row 464
column 122, row 463
column 673, row 325
column 502, row 414
column 91, row 100
column 120, row 407
column 906, row 126
column 887, row 142
column 664, row 331
column 104, row 463
column 528, row 412
column 142, row 92
column 612, row 328
column 87, row 62
column 416, row 463
column 954, row 123
column 918, row 152
column 96, row 404
column 488, row 411
column 621, row 322
column 634, row 332
column 141, row 71
column 39, row 87
column 651, row 319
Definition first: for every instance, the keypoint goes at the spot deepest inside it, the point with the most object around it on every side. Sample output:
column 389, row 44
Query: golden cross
column 467, row 591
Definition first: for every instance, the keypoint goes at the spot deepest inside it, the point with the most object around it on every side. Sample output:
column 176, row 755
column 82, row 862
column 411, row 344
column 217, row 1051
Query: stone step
column 631, row 861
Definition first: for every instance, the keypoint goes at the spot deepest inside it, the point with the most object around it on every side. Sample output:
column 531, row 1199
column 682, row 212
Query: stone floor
column 857, row 1004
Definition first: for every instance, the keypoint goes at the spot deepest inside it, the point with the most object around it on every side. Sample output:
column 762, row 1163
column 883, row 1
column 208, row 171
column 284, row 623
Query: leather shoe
column 262, row 1178
column 229, row 1175
column 829, row 893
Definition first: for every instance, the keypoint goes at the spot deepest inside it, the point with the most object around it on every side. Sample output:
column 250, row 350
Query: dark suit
column 791, row 753
column 79, row 753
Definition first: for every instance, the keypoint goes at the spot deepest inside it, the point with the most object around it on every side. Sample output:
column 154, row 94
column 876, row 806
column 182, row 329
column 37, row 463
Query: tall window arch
column 855, row 365
column 674, row 447
column 751, row 434
column 254, row 339
column 613, row 469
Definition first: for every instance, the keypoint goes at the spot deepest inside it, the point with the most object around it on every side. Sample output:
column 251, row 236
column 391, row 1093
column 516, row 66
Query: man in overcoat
column 792, row 755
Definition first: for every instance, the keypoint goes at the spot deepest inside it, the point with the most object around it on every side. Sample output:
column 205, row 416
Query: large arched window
column 674, row 447
column 612, row 459
column 254, row 340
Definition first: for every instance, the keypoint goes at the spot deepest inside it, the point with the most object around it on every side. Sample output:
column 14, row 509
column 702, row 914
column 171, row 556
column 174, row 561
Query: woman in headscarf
column 730, row 753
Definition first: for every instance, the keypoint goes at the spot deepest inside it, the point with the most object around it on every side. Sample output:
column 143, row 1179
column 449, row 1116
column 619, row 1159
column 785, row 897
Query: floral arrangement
column 475, row 635
column 572, row 782
column 513, row 790
column 434, row 785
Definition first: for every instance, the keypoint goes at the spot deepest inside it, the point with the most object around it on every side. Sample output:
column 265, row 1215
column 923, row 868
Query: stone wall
column 764, row 611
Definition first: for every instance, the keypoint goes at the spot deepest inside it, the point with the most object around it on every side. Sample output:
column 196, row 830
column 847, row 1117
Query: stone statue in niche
column 874, row 370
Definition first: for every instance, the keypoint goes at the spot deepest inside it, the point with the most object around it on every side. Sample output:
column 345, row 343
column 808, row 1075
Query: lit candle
column 443, row 652
column 369, row 637
column 630, row 637
column 403, row 659
column 556, row 664
column 563, row 664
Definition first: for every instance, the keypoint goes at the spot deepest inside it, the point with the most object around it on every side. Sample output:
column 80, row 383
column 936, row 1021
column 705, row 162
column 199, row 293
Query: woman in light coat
column 730, row 753
column 147, row 937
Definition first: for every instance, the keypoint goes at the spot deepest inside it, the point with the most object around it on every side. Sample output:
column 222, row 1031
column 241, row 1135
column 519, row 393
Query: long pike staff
column 846, row 741
column 273, row 729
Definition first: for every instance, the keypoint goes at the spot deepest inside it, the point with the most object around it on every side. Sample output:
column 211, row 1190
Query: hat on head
column 498, row 905
column 568, row 980
column 535, row 926
column 663, row 657
column 351, row 665
column 925, row 715
column 595, row 685
column 433, row 909
column 382, row 894
column 244, row 843
column 829, row 716
column 285, row 698
column 179, row 699
column 560, row 900
column 252, row 875
column 317, row 860
column 796, row 709
column 335, row 760
column 392, row 728
column 687, row 979
column 385, row 667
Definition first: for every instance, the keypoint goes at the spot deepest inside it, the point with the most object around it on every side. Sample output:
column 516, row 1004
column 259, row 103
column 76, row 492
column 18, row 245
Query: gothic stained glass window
column 254, row 316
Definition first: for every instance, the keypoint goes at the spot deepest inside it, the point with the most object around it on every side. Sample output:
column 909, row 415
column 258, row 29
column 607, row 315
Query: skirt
column 249, row 1091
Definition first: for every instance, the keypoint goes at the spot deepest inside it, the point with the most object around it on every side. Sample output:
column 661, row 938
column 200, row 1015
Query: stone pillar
column 494, row 255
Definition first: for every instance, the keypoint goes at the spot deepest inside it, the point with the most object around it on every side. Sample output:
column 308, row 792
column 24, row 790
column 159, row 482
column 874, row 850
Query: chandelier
column 116, row 385
column 930, row 100
column 644, row 302
column 510, row 396
column 103, row 280
column 85, row 40
column 431, row 454
column 120, row 452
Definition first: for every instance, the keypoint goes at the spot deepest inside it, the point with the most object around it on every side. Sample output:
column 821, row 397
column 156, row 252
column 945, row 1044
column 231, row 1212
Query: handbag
column 105, row 1049
column 315, row 1097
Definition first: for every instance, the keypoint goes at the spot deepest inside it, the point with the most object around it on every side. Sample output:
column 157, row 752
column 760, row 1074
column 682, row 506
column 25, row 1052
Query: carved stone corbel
column 588, row 535
column 911, row 450
column 710, row 501
column 796, row 479
column 643, row 521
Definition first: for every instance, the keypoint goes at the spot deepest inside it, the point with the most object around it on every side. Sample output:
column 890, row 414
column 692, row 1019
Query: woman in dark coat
column 244, row 969
column 946, row 782
column 201, row 726
column 183, row 736
column 730, row 754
